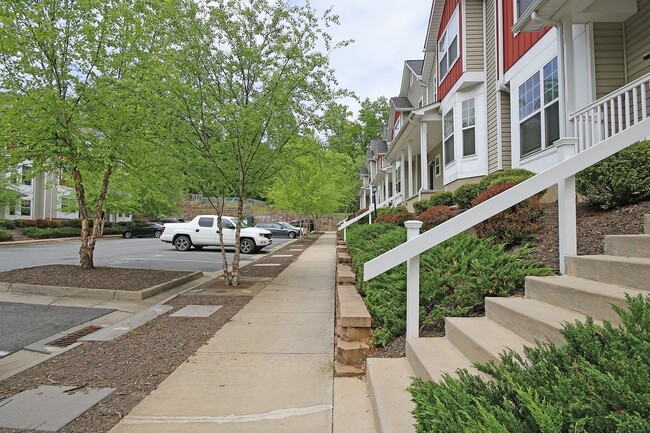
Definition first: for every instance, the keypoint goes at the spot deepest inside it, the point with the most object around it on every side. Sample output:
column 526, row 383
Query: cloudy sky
column 386, row 33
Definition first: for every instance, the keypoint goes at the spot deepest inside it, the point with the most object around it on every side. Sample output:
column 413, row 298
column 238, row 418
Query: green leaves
column 597, row 382
column 455, row 278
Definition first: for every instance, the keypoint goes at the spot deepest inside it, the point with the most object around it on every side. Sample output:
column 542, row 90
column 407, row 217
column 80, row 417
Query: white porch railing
column 613, row 113
column 345, row 224
column 562, row 174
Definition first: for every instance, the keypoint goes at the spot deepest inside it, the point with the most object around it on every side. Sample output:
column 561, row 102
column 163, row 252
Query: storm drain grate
column 71, row 338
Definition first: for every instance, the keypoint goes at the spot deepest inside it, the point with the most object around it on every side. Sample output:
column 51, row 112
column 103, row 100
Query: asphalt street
column 146, row 253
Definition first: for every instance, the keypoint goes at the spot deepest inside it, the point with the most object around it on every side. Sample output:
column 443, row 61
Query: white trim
column 453, row 20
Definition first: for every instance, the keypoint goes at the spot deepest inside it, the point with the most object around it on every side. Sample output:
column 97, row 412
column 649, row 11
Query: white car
column 203, row 231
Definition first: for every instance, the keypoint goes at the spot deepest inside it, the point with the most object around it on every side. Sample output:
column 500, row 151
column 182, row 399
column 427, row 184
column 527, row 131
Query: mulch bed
column 137, row 362
column 104, row 278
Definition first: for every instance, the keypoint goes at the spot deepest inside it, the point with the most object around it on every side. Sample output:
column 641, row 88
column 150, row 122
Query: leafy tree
column 372, row 117
column 317, row 181
column 246, row 80
column 73, row 71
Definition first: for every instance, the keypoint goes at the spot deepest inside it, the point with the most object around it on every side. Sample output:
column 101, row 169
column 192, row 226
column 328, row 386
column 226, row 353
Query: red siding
column 457, row 70
column 515, row 46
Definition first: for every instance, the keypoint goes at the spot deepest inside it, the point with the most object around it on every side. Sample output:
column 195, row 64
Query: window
column 398, row 177
column 12, row 208
column 421, row 102
column 25, row 207
column 26, row 179
column 469, row 128
column 521, row 6
column 437, row 168
column 448, row 47
column 227, row 225
column 68, row 204
column 448, row 135
column 539, row 119
column 206, row 222
column 398, row 125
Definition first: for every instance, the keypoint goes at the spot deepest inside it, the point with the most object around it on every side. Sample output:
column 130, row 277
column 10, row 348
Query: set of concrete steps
column 592, row 284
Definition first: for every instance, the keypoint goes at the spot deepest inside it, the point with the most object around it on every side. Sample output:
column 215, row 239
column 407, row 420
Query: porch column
column 410, row 163
column 424, row 160
column 362, row 202
column 386, row 183
column 394, row 178
column 566, row 67
column 403, row 179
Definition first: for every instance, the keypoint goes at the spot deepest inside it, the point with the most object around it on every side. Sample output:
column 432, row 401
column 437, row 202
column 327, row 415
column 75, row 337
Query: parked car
column 304, row 223
column 280, row 229
column 144, row 229
column 203, row 231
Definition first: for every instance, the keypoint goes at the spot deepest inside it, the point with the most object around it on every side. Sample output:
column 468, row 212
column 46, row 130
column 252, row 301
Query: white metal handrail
column 562, row 174
column 612, row 113
column 344, row 226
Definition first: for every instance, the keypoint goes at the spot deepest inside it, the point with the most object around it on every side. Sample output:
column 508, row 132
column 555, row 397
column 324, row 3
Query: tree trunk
column 235, row 260
column 89, row 235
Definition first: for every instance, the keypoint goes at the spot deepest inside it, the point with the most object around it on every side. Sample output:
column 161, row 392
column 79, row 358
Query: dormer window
column 398, row 125
column 448, row 47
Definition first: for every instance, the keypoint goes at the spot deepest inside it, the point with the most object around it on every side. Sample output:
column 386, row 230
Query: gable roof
column 401, row 103
column 415, row 66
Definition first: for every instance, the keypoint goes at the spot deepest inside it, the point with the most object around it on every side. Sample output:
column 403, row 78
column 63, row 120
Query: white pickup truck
column 202, row 231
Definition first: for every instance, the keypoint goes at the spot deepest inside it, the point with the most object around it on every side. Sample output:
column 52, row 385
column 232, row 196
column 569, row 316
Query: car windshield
column 286, row 225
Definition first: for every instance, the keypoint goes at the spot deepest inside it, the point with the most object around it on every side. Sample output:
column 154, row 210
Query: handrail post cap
column 413, row 224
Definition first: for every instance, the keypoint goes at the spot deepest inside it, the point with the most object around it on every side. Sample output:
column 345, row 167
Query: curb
column 79, row 292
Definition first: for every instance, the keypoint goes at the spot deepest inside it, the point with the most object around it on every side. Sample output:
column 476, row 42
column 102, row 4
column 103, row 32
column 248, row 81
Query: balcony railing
column 613, row 113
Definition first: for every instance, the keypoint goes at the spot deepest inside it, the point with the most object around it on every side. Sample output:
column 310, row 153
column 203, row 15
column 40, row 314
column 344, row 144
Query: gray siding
column 474, row 35
column 506, row 153
column 416, row 91
column 609, row 57
column 637, row 41
column 491, row 85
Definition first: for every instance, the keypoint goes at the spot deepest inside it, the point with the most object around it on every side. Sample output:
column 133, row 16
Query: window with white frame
column 25, row 174
column 398, row 177
column 448, row 136
column 521, row 6
column 539, row 117
column 437, row 167
column 25, row 207
column 469, row 128
column 398, row 125
column 421, row 102
column 448, row 47
column 68, row 204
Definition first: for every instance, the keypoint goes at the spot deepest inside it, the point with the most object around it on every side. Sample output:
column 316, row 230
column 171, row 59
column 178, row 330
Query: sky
column 386, row 33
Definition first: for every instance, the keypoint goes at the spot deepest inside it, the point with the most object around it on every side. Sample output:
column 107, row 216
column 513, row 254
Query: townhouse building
column 506, row 83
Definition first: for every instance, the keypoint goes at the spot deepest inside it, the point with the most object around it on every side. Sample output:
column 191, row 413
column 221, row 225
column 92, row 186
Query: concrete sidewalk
column 269, row 369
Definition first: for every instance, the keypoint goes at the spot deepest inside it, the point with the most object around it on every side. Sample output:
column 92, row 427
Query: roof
column 364, row 171
column 415, row 66
column 401, row 103
column 379, row 147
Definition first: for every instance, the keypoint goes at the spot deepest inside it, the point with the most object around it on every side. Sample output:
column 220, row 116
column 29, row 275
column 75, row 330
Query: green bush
column 621, row 179
column 396, row 219
column 7, row 224
column 515, row 225
column 435, row 215
column 455, row 277
column 464, row 195
column 5, row 236
column 391, row 210
column 49, row 233
column 113, row 230
column 599, row 381
column 444, row 198
column 70, row 223
column 515, row 175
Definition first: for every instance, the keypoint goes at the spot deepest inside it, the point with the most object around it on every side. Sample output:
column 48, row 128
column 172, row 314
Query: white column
column 412, row 284
column 386, row 184
column 410, row 163
column 424, row 160
column 362, row 202
column 566, row 67
column 566, row 201
column 403, row 181
column 394, row 173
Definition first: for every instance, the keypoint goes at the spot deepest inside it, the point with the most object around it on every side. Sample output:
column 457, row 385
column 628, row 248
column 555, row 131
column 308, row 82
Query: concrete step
column 588, row 297
column 480, row 339
column 628, row 245
column 646, row 224
column 344, row 258
column 431, row 357
column 344, row 370
column 623, row 271
column 345, row 274
column 388, row 379
column 531, row 319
